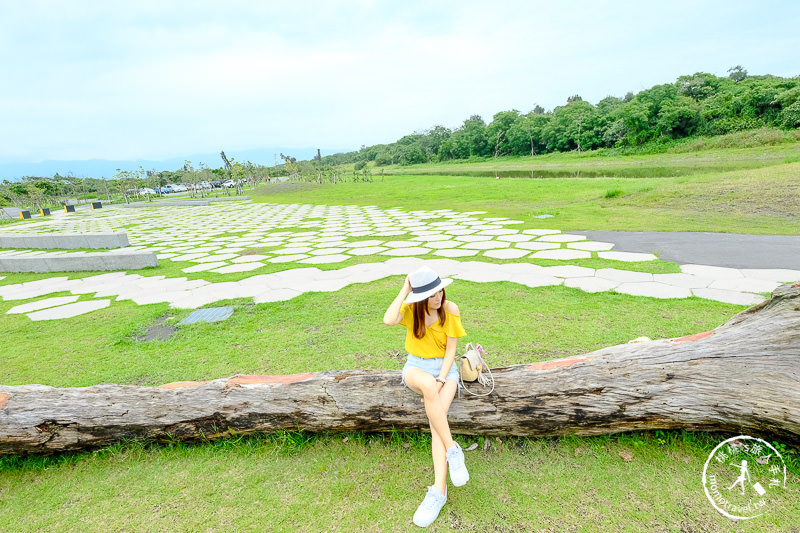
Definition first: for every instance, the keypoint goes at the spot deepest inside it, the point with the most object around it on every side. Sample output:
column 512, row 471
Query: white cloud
column 160, row 79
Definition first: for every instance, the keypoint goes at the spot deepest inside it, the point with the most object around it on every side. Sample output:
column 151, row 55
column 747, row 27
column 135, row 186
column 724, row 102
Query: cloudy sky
column 159, row 79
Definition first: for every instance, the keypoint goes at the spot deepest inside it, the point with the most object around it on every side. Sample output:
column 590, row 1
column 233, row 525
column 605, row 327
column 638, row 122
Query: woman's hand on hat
column 407, row 285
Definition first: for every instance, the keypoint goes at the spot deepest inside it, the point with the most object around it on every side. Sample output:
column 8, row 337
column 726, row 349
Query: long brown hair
column 420, row 309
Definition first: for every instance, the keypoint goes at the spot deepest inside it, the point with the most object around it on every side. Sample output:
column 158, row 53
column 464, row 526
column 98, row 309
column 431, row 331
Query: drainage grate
column 211, row 314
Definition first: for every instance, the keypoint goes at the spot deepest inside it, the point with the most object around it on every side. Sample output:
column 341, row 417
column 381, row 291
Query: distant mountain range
column 104, row 168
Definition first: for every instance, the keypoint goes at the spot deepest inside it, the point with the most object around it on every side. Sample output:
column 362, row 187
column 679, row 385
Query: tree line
column 694, row 105
column 36, row 192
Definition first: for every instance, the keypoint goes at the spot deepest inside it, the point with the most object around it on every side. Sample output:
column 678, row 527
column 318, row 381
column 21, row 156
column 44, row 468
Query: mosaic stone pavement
column 239, row 237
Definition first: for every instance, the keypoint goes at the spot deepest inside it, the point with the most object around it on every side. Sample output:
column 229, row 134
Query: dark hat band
column 427, row 287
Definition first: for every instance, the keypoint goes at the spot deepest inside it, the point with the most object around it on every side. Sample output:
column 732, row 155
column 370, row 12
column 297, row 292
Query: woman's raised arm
column 392, row 317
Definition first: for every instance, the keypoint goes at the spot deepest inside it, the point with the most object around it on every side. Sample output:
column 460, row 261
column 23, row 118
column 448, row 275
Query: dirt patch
column 157, row 331
column 254, row 251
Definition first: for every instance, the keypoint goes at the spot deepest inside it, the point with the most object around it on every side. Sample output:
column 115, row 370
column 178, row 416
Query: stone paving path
column 243, row 237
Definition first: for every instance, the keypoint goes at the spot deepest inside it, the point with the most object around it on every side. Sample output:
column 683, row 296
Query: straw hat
column 424, row 283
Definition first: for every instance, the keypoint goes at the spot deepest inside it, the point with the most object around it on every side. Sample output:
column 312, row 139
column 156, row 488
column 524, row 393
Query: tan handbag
column 472, row 367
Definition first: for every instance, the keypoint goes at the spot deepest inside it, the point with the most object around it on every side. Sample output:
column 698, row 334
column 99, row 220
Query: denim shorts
column 431, row 366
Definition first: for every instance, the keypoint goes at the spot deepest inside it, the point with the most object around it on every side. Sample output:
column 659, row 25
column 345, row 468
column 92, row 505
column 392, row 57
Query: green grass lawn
column 761, row 200
column 323, row 331
column 293, row 481
column 357, row 482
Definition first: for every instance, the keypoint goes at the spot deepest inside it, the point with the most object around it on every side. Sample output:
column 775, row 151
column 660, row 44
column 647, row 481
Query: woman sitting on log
column 433, row 325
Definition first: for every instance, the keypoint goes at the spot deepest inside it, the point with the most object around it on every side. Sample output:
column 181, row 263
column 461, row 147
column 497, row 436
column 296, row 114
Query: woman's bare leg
column 438, row 449
column 435, row 407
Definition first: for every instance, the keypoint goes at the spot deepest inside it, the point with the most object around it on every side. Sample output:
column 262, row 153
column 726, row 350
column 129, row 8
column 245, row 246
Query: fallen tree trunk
column 742, row 377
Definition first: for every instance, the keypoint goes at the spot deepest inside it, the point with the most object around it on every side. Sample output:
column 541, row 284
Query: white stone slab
column 363, row 244
column 292, row 250
column 537, row 245
column 483, row 274
column 745, row 285
column 367, row 250
column 712, row 272
column 623, row 276
column 653, row 289
column 430, row 236
column 192, row 301
column 213, row 258
column 591, row 284
column 204, row 249
column 329, row 251
column 563, row 237
column 69, row 310
column 515, row 238
column 536, row 280
column 187, row 257
column 455, row 252
column 249, row 258
column 568, row 271
column 591, row 246
column 629, row 257
column 41, row 304
column 401, row 244
column 487, row 226
column 241, row 267
column 509, row 253
column 540, row 231
column 772, row 274
column 473, row 238
column 155, row 297
column 324, row 259
column 443, row 244
column 563, row 254
column 287, row 258
column 730, row 297
column 683, row 280
column 412, row 250
column 498, row 232
column 485, row 245
column 202, row 267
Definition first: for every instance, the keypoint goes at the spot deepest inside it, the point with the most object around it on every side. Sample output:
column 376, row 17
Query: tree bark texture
column 741, row 377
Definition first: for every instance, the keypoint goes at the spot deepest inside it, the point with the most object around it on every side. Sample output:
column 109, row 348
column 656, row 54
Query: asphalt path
column 715, row 249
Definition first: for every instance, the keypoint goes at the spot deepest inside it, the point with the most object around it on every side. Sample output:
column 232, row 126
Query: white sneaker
column 455, row 464
column 429, row 509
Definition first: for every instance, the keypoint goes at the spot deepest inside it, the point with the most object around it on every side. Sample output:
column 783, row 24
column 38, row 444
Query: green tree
column 737, row 73
column 497, row 131
column 526, row 134
column 573, row 126
column 678, row 118
column 699, row 85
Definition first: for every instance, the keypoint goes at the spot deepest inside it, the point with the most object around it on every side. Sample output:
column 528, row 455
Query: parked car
column 216, row 184
column 166, row 189
column 204, row 185
column 228, row 183
column 178, row 188
column 146, row 190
